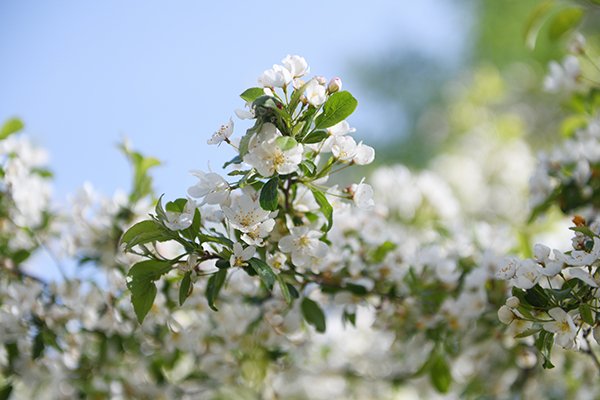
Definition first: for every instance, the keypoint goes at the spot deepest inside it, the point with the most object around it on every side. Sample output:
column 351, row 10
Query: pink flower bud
column 335, row 85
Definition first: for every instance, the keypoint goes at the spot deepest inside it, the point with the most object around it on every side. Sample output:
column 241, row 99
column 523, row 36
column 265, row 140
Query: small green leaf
column 286, row 142
column 149, row 270
column 263, row 270
column 176, row 206
column 285, row 291
column 439, row 374
column 325, row 207
column 308, row 168
column 234, row 160
column 585, row 230
column 11, row 126
column 144, row 232
column 316, row 136
column 213, row 287
column 586, row 314
column 564, row 21
column 269, row 195
column 185, row 287
column 141, row 284
column 537, row 297
column 382, row 250
column 252, row 94
column 337, row 108
column 313, row 314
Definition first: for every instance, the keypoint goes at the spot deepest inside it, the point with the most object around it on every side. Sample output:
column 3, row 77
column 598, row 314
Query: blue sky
column 83, row 75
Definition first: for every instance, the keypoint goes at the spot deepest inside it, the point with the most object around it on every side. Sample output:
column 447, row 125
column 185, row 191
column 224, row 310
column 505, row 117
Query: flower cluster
column 274, row 220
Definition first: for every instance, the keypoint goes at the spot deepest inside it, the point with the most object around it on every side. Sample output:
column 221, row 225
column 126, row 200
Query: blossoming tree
column 275, row 280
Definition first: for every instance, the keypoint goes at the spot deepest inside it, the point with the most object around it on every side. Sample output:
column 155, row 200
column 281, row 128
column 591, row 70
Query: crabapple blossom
column 276, row 77
column 245, row 213
column 562, row 326
column 223, row 134
column 316, row 93
column 211, row 187
column 297, row 65
column 303, row 244
column 240, row 255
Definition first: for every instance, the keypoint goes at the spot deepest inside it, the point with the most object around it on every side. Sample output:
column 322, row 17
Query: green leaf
column 252, row 94
column 316, row 136
column 234, row 160
column 144, row 232
column 149, row 270
column 176, row 206
column 185, row 287
column 537, row 297
column 286, row 142
column 213, row 287
column 439, row 374
column 264, row 271
column 313, row 314
column 564, row 21
column 269, row 195
column 586, row 314
column 535, row 21
column 585, row 230
column 382, row 250
column 285, row 291
column 5, row 391
column 308, row 168
column 141, row 284
column 11, row 126
column 325, row 207
column 528, row 332
column 337, row 108
column 142, row 181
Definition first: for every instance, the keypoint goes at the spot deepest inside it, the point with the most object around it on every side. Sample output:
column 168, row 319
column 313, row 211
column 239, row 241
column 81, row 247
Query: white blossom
column 223, row 134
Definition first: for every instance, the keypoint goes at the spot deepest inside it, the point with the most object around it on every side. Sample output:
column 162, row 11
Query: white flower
column 269, row 158
column 303, row 244
column 223, row 134
column 364, row 154
column 340, row 129
column 581, row 258
column 316, row 94
column 277, row 261
column 211, row 186
column 362, row 195
column 245, row 213
column 255, row 236
column 563, row 77
column 507, row 268
column 277, row 76
column 245, row 114
column 528, row 274
column 177, row 221
column 343, row 148
column 582, row 275
column 296, row 65
column 563, row 326
column 241, row 255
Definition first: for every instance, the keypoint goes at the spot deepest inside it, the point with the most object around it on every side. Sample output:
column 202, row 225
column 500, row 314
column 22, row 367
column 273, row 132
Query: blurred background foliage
column 508, row 48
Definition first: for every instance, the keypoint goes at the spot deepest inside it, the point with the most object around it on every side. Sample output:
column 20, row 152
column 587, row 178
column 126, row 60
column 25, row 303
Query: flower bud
column 505, row 315
column 335, row 85
column 513, row 302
